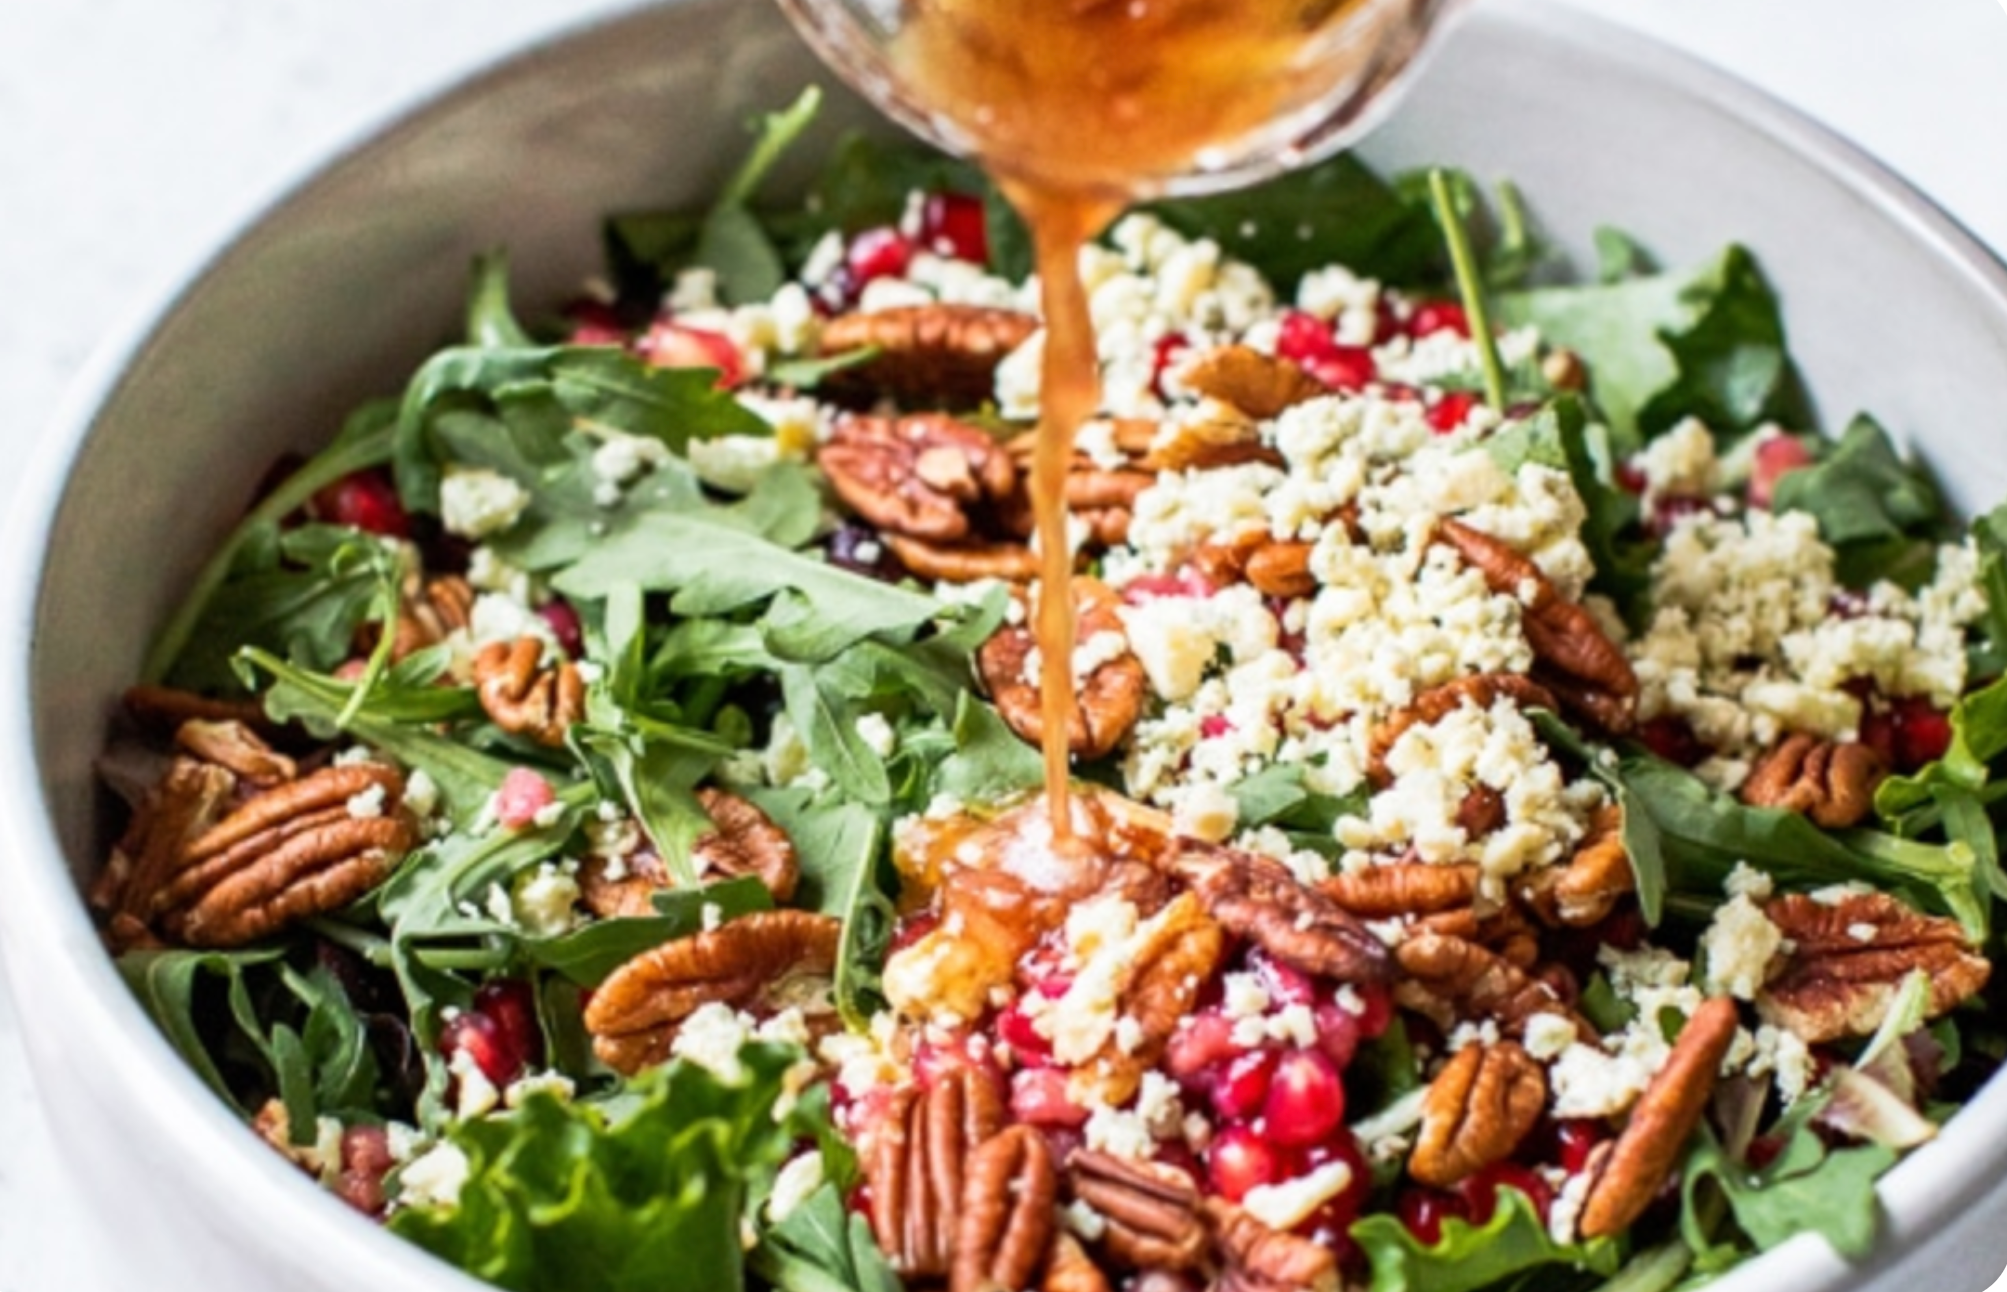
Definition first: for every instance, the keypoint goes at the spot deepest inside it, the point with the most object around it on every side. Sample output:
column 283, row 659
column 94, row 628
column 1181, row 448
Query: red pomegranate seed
column 1155, row 587
column 499, row 1035
column 883, row 252
column 1630, row 477
column 1169, row 350
column 1575, row 1139
column 936, row 1058
column 1285, row 984
column 912, row 929
column 1342, row 1146
column 1238, row 1160
column 1848, row 604
column 955, row 225
column 1038, row 1098
column 1029, row 1049
column 1215, row 725
column 1376, row 1009
column 1337, row 1033
column 1775, row 456
column 1306, row 1099
column 1438, row 316
column 365, row 1148
column 1672, row 738
column 1480, row 1191
column 1448, row 413
column 858, row 1201
column 1763, row 1150
column 1670, row 511
column 1240, row 1089
column 672, row 345
column 1202, row 1043
column 1423, row 1211
column 594, row 323
column 1304, row 338
column 1922, row 733
column 523, row 794
column 1347, row 367
column 564, row 625
column 366, row 500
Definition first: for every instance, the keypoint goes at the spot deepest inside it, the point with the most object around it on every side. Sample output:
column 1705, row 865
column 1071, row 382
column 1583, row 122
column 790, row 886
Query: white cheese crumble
column 475, row 502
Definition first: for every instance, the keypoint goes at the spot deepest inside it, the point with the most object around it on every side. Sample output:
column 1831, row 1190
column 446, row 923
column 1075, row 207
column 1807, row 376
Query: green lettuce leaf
column 1882, row 515
column 588, row 953
column 823, row 1246
column 1467, row 1257
column 1806, row 1188
column 650, row 1198
column 1707, row 343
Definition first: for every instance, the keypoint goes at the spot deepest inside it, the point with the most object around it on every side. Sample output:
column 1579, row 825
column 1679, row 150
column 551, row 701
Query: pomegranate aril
column 673, row 345
column 1438, row 316
column 1376, row 1009
column 883, row 252
column 1306, row 1099
column 1630, row 477
column 1338, row 1033
column 522, row 796
column 595, row 323
column 1285, row 984
column 1449, row 412
column 1238, row 1160
column 1341, row 1146
column 1215, row 725
column 955, row 225
column 1922, row 733
column 1480, row 1191
column 1672, row 738
column 1169, row 351
column 911, row 930
column 1203, row 1042
column 1240, row 1089
column 1154, row 587
column 1029, row 1049
column 565, row 626
column 1303, row 337
column 1038, row 1097
column 366, row 500
column 1347, row 367
column 1574, row 1140
column 1669, row 512
column 934, row 1059
column 1775, row 456
column 1423, row 1211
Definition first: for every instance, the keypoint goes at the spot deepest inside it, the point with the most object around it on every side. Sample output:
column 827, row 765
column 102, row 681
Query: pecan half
column 743, row 841
column 1282, row 569
column 429, row 611
column 299, row 849
column 1259, row 385
column 1450, row 979
column 1402, row 888
column 919, row 475
column 1829, row 781
column 1006, row 1224
column 1259, row 1259
column 1150, row 1211
column 1205, row 438
column 1069, row 1268
column 1585, row 889
column 1108, row 700
column 963, row 562
column 942, row 351
column 1171, row 957
column 1477, row 1111
column 916, row 1164
column 189, row 798
column 1847, row 962
column 234, row 746
column 1257, row 898
column 164, row 708
column 1479, row 690
column 525, row 698
column 634, row 1014
column 1661, row 1122
column 1564, row 636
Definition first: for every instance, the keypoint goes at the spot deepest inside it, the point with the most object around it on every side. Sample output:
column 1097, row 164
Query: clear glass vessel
column 1130, row 98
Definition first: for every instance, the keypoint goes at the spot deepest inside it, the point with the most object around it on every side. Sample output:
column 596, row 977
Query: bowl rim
column 44, row 924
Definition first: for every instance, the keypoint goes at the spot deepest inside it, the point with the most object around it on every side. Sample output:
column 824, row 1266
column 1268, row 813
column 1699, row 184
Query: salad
column 1533, row 812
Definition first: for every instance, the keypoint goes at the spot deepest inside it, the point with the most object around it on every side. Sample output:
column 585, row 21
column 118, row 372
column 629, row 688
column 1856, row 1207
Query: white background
column 136, row 133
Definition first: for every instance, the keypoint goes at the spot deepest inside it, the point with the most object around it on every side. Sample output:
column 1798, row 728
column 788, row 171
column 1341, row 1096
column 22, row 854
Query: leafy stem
column 347, row 455
column 1464, row 260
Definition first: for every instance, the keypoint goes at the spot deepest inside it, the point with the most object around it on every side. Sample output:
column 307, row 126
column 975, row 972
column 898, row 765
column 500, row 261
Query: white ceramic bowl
column 340, row 288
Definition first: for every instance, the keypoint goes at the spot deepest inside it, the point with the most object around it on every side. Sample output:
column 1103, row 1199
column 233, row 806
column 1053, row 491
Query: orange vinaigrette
column 1076, row 107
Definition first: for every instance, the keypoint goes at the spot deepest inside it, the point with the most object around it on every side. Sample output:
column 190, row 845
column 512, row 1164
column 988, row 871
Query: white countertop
column 133, row 134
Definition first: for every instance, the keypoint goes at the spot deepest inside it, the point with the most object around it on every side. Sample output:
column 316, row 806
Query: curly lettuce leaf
column 651, row 1198
column 1467, row 1257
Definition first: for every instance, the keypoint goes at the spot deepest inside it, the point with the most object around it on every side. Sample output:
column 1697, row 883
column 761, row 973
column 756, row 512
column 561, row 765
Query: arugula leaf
column 1707, row 343
column 586, row 954
column 651, row 1199
column 1335, row 212
column 823, row 1246
column 166, row 983
column 365, row 441
column 842, row 851
column 989, row 761
column 1468, row 1257
column 308, row 591
column 1882, row 516
column 1806, row 1187
column 731, row 242
column 1978, row 736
